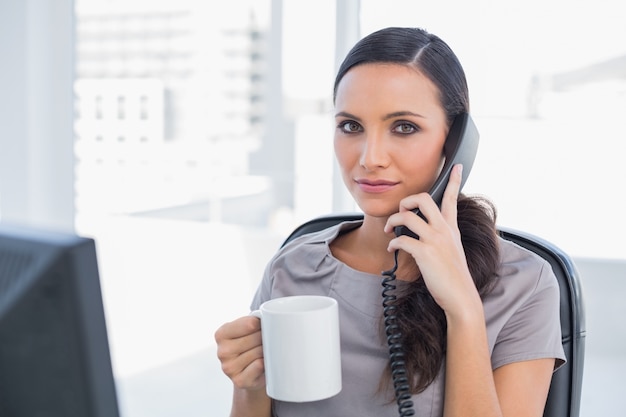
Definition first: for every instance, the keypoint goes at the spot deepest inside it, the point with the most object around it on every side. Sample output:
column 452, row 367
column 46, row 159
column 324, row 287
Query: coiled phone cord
column 394, row 340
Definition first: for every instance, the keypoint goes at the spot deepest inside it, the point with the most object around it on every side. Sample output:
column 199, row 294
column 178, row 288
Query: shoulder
column 523, row 266
column 303, row 265
column 315, row 242
column 308, row 251
column 524, row 282
column 522, row 309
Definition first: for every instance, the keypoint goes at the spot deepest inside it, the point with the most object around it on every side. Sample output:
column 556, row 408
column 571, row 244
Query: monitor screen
column 54, row 350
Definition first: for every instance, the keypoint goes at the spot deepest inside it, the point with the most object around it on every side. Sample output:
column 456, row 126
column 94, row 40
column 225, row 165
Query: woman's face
column 389, row 135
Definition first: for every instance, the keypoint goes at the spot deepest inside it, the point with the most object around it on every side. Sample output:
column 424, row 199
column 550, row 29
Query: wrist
column 468, row 313
column 251, row 403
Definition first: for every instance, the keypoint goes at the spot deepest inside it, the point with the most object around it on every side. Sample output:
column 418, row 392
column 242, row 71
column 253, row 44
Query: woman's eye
column 350, row 127
column 405, row 128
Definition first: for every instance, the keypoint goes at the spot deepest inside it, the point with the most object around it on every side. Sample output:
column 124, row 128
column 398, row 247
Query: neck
column 372, row 236
column 365, row 248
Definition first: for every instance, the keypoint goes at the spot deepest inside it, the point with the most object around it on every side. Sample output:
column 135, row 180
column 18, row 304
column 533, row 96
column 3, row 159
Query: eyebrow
column 386, row 117
column 346, row 115
column 402, row 113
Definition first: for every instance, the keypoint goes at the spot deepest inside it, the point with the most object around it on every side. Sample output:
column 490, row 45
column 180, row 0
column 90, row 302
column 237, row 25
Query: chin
column 373, row 210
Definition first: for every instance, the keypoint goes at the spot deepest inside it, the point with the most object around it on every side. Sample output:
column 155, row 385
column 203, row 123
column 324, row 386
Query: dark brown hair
column 422, row 321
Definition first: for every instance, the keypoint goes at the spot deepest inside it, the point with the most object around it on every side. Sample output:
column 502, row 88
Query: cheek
column 422, row 170
column 345, row 154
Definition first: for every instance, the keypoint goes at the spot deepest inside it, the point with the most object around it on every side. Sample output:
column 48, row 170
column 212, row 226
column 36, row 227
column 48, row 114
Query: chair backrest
column 565, row 389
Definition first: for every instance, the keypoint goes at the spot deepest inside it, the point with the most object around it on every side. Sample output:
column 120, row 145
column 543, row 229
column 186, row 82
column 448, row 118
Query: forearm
column 251, row 403
column 470, row 389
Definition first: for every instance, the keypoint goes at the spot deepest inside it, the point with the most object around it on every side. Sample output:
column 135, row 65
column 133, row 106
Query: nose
column 374, row 154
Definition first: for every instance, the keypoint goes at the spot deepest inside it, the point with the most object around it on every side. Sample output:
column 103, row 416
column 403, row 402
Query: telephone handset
column 460, row 147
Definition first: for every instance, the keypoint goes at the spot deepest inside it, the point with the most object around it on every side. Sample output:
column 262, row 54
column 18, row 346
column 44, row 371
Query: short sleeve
column 528, row 324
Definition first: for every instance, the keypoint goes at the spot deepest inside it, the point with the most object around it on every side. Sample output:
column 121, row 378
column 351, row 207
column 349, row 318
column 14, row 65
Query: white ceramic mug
column 301, row 347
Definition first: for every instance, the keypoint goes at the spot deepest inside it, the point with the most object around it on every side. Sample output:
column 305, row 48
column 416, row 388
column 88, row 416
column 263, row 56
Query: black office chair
column 565, row 389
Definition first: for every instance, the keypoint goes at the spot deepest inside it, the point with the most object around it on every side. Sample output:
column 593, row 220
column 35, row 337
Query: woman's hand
column 439, row 252
column 240, row 350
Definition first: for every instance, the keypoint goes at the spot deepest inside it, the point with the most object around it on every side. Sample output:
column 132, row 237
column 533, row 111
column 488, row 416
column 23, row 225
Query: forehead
column 386, row 83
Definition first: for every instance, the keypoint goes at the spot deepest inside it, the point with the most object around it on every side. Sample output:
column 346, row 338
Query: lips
column 375, row 186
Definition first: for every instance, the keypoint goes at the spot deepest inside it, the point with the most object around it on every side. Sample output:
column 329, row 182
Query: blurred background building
column 164, row 91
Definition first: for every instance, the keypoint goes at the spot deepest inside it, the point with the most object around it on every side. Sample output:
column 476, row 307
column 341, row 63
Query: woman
column 479, row 315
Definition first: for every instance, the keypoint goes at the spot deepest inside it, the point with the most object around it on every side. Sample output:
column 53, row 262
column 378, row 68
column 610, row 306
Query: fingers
column 439, row 251
column 451, row 195
column 240, row 350
column 417, row 212
column 248, row 371
column 432, row 220
column 415, row 220
column 243, row 326
column 428, row 208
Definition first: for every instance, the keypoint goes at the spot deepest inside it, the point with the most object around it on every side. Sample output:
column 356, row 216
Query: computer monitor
column 54, row 352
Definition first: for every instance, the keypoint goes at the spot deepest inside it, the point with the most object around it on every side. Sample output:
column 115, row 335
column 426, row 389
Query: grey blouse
column 522, row 317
